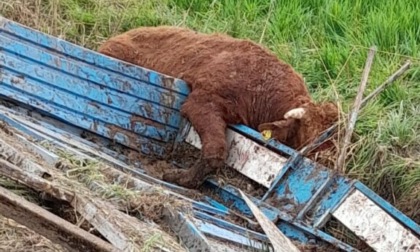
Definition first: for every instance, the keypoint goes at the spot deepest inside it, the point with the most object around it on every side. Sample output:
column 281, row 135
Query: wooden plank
column 123, row 231
column 7, row 152
column 279, row 241
column 49, row 225
column 48, row 157
column 248, row 157
column 372, row 224
column 185, row 229
column 71, row 144
column 339, row 165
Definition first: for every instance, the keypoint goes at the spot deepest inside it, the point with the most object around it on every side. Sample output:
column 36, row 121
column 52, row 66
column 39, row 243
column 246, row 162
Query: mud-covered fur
column 232, row 81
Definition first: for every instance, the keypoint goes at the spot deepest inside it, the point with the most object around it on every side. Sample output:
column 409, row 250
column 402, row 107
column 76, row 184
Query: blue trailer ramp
column 82, row 90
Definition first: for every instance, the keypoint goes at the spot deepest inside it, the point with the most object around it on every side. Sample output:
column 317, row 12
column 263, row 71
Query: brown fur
column 233, row 81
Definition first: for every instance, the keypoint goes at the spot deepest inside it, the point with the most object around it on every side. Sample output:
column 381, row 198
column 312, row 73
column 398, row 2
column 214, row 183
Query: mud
column 342, row 233
column 232, row 177
column 5, row 127
column 184, row 158
column 151, row 205
column 315, row 248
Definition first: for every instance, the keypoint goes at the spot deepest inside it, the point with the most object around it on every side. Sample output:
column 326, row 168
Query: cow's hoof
column 184, row 178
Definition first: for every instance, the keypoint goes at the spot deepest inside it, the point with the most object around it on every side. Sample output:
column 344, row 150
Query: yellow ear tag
column 266, row 134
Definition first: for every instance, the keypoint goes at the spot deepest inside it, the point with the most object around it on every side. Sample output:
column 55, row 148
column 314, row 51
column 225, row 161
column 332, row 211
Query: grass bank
column 325, row 40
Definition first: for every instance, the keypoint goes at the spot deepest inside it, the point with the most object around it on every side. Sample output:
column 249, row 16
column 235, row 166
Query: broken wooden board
column 186, row 228
column 123, row 231
column 368, row 221
column 278, row 240
column 49, row 225
column 247, row 157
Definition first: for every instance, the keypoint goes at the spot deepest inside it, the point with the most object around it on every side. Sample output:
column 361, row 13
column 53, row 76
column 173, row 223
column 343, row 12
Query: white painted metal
column 248, row 157
column 374, row 225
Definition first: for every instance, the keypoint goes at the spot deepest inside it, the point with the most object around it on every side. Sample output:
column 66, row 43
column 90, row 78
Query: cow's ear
column 278, row 129
column 272, row 125
column 296, row 113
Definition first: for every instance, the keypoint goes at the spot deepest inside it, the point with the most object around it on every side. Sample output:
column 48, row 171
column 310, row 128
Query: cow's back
column 251, row 79
column 192, row 56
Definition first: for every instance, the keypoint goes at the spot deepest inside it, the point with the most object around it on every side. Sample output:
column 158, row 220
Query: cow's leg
column 204, row 112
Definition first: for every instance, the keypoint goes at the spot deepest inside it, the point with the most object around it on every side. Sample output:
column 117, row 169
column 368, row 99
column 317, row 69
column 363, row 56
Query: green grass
column 324, row 40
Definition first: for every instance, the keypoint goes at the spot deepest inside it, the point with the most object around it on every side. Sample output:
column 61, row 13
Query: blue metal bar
column 119, row 135
column 291, row 162
column 232, row 198
column 332, row 198
column 105, row 96
column 84, row 107
column 315, row 197
column 109, row 80
column 229, row 226
column 299, row 186
column 225, row 234
column 326, row 237
column 92, row 57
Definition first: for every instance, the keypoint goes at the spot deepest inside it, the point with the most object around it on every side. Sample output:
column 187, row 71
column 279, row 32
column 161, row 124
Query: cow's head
column 302, row 125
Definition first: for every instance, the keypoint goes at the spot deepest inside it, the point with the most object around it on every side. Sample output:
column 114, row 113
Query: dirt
column 19, row 238
column 65, row 211
column 185, row 157
column 410, row 204
column 230, row 176
column 340, row 232
column 5, row 127
column 156, row 168
column 316, row 248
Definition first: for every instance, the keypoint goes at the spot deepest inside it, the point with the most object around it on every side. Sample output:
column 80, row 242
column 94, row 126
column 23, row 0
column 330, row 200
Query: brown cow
column 232, row 81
